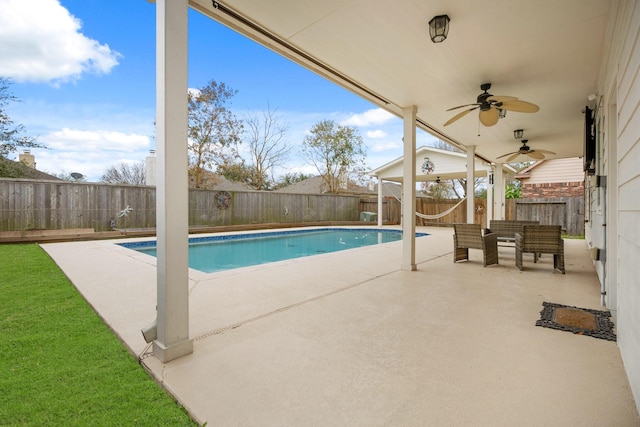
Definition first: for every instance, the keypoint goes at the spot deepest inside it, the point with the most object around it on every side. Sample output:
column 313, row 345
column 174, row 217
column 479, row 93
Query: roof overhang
column 544, row 51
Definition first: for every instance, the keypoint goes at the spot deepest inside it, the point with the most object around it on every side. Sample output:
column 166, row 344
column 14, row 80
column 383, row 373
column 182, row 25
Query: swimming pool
column 225, row 252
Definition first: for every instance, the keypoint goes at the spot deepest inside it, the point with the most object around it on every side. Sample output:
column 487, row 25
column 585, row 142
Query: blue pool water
column 217, row 253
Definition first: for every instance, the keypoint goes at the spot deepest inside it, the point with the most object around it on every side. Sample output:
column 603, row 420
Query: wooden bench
column 506, row 229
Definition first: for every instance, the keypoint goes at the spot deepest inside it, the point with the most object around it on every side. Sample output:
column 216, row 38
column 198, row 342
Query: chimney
column 28, row 159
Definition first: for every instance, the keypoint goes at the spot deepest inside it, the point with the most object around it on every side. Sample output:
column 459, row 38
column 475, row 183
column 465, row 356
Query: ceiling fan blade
column 513, row 157
column 545, row 151
column 489, row 117
column 459, row 116
column 501, row 98
column 461, row 106
column 508, row 154
column 534, row 154
column 520, row 106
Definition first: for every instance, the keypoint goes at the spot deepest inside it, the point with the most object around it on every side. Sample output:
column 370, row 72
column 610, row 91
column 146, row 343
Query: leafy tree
column 437, row 190
column 11, row 134
column 513, row 191
column 291, row 178
column 236, row 171
column 481, row 193
column 125, row 173
column 214, row 131
column 266, row 140
column 336, row 152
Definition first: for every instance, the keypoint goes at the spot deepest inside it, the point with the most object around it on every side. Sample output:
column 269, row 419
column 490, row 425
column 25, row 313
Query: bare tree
column 266, row 139
column 11, row 134
column 125, row 173
column 214, row 131
column 336, row 152
column 438, row 190
column 70, row 176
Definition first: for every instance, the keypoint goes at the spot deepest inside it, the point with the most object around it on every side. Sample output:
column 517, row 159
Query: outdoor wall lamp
column 439, row 28
column 517, row 134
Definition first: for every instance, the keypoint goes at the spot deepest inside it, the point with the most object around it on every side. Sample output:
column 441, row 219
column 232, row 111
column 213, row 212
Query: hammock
column 436, row 216
column 440, row 215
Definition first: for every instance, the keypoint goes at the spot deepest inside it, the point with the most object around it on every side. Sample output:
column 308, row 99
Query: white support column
column 498, row 192
column 489, row 196
column 172, row 206
column 409, row 191
column 471, row 197
column 380, row 200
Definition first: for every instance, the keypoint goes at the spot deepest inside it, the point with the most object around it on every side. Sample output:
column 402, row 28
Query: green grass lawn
column 59, row 363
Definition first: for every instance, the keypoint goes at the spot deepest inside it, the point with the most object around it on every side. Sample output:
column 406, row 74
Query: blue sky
column 84, row 71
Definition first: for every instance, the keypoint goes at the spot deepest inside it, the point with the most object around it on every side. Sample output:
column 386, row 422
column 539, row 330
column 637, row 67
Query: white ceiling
column 547, row 52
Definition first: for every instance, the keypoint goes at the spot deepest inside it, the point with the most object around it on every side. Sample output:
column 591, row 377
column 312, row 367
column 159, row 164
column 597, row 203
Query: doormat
column 581, row 321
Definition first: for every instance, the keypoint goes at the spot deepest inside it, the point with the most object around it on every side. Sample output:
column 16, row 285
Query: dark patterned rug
column 581, row 321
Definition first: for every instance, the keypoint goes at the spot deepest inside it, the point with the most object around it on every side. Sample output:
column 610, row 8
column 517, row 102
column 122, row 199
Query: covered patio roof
column 542, row 51
column 444, row 164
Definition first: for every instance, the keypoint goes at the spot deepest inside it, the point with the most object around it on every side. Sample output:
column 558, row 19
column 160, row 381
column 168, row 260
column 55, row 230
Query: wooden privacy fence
column 57, row 205
column 567, row 212
column 390, row 208
column 458, row 215
column 41, row 205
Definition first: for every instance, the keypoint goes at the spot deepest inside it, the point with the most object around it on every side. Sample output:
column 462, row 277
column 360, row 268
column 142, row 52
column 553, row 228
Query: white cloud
column 40, row 41
column 386, row 146
column 376, row 134
column 373, row 117
column 103, row 140
column 91, row 164
column 89, row 152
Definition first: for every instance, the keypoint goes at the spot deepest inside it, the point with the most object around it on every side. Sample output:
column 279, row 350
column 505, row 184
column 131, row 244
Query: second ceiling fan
column 525, row 150
column 490, row 106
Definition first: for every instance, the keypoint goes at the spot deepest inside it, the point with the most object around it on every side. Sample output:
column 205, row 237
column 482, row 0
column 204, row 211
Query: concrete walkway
column 348, row 339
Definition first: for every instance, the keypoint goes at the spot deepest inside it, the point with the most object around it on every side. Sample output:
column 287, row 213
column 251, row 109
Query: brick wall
column 554, row 189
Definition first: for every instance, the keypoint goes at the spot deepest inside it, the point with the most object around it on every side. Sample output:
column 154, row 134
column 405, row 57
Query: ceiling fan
column 527, row 151
column 490, row 107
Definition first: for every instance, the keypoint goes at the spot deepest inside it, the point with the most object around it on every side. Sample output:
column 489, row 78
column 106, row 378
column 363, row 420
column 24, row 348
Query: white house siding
column 619, row 160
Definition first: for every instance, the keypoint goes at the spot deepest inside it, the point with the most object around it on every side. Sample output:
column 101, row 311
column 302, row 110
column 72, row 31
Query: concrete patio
column 350, row 339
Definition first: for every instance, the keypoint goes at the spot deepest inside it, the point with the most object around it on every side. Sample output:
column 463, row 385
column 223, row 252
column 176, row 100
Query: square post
column 409, row 191
column 172, row 222
column 471, row 197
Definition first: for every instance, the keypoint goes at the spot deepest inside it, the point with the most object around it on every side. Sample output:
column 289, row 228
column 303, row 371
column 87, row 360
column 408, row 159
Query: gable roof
column 23, row 171
column 446, row 165
column 316, row 185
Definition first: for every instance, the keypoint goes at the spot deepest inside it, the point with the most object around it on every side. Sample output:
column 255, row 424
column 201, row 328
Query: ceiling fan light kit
column 492, row 108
